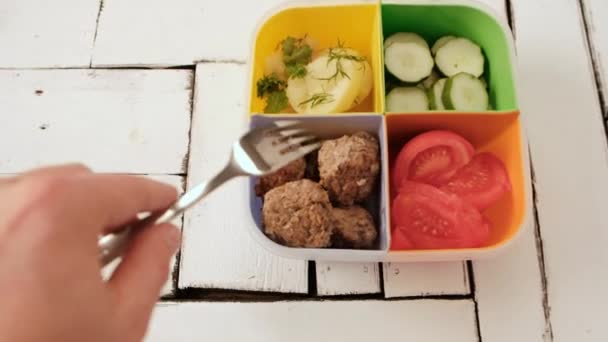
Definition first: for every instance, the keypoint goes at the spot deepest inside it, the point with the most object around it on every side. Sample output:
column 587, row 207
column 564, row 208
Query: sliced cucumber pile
column 440, row 43
column 408, row 57
column 465, row 92
column 407, row 99
column 448, row 76
column 429, row 81
column 460, row 55
column 436, row 94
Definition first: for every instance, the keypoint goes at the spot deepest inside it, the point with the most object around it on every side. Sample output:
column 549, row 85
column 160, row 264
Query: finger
column 137, row 282
column 114, row 200
column 57, row 170
column 7, row 180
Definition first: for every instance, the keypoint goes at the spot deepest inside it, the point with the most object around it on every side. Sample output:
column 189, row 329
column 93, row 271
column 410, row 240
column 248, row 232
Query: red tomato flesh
column 432, row 219
column 400, row 241
column 432, row 157
column 481, row 182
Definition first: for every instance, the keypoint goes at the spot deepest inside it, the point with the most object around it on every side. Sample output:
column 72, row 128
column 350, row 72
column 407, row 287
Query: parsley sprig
column 272, row 88
column 268, row 84
column 296, row 55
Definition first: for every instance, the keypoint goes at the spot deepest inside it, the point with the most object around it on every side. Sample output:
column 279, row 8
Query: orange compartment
column 499, row 133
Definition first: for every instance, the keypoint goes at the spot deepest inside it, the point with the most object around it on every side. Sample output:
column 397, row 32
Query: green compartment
column 435, row 21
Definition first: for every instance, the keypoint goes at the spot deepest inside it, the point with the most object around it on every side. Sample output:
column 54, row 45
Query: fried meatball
column 349, row 166
column 290, row 172
column 353, row 228
column 298, row 214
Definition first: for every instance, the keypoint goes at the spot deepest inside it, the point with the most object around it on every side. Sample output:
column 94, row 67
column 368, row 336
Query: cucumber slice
column 460, row 55
column 404, row 37
column 436, row 93
column 429, row 81
column 465, row 92
column 483, row 80
column 407, row 99
column 440, row 43
column 408, row 57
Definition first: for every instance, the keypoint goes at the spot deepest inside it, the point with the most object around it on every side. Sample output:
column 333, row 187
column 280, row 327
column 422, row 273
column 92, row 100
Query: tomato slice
column 481, row 182
column 432, row 157
column 400, row 241
column 432, row 219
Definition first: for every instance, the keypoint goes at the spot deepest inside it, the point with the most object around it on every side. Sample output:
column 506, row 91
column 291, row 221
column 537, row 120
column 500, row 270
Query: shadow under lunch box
column 365, row 26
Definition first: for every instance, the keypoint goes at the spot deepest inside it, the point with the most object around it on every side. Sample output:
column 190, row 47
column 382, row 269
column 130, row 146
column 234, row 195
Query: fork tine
column 289, row 125
column 291, row 132
column 300, row 140
column 302, row 151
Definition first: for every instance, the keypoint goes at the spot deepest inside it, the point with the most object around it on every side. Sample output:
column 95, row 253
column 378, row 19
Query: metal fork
column 259, row 152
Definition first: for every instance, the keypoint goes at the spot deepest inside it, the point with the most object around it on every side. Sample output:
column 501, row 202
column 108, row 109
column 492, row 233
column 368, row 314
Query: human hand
column 50, row 281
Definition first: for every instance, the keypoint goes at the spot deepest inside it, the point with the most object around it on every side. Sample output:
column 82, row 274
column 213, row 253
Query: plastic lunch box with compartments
column 498, row 130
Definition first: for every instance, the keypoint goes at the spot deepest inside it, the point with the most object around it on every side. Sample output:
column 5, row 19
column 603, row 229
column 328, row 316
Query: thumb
column 144, row 269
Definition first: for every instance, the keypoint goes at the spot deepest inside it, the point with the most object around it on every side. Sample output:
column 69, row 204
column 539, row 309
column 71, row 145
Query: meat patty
column 290, row 172
column 349, row 166
column 298, row 214
column 353, row 228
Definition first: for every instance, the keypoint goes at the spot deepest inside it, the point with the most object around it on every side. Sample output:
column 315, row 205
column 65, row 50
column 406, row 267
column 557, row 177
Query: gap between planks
column 136, row 66
column 96, row 29
column 597, row 75
column 223, row 295
column 541, row 257
column 185, row 164
column 473, row 295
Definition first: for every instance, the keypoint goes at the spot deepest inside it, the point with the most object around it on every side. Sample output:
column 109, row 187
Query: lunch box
column 365, row 25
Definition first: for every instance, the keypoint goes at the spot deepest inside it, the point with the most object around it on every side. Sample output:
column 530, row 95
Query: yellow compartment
column 356, row 25
column 500, row 134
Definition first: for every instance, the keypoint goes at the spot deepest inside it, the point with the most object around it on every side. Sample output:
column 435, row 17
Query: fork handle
column 113, row 245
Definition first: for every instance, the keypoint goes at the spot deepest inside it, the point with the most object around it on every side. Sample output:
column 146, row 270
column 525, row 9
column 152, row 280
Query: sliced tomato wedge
column 482, row 182
column 432, row 157
column 399, row 241
column 432, row 219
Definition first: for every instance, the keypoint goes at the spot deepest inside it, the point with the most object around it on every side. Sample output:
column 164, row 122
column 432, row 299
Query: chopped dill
column 317, row 99
column 338, row 54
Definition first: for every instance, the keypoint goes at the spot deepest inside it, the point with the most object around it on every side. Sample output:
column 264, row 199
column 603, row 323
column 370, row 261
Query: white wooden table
column 154, row 87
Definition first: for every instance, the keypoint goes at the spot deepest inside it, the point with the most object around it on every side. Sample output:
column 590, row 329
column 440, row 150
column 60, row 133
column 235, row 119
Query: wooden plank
column 129, row 121
column 568, row 144
column 425, row 279
column 509, row 289
column 40, row 33
column 183, row 32
column 347, row 278
column 596, row 12
column 169, row 287
column 353, row 321
column 217, row 251
column 511, row 282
